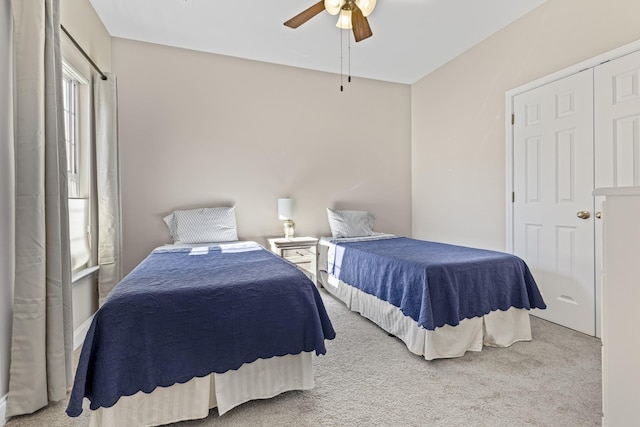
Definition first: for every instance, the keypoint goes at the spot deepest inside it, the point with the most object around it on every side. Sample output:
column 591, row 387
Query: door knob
column 583, row 214
column 598, row 214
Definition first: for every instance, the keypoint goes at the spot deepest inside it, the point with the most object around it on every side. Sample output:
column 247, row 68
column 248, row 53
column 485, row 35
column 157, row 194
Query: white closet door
column 617, row 122
column 617, row 133
column 553, row 184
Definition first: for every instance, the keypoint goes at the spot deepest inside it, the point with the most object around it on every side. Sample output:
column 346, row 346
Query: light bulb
column 366, row 6
column 344, row 20
column 333, row 6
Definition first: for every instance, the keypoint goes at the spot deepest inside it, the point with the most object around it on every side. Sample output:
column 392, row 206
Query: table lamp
column 285, row 213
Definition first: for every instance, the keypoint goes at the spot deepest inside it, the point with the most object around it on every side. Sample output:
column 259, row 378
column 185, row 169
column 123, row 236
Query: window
column 70, row 97
column 75, row 97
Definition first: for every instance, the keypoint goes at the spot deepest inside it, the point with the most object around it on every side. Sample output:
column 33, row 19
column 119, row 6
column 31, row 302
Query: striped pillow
column 347, row 223
column 205, row 225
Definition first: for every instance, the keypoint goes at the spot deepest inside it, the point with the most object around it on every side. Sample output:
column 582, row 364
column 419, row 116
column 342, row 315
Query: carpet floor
column 368, row 378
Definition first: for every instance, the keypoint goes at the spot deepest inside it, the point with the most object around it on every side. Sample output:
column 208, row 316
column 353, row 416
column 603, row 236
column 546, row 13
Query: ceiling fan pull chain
column 349, row 59
column 341, row 49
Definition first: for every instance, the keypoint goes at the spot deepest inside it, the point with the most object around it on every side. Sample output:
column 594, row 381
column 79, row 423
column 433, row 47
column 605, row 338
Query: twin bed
column 200, row 325
column 441, row 300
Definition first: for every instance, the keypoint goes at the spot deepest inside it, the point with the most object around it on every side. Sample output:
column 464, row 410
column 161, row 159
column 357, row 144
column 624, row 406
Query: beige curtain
column 7, row 194
column 108, row 183
column 42, row 336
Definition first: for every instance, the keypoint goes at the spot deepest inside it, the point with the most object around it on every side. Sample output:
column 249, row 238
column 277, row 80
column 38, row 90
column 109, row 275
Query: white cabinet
column 620, row 306
column 299, row 250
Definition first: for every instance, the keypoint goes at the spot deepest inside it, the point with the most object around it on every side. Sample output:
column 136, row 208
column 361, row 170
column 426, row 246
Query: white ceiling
column 410, row 38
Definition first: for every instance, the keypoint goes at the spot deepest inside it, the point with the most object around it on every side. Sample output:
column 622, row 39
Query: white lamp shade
column 366, row 6
column 285, row 209
column 344, row 20
column 333, row 6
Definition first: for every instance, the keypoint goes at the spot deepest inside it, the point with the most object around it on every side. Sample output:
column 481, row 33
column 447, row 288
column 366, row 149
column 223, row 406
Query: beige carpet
column 368, row 378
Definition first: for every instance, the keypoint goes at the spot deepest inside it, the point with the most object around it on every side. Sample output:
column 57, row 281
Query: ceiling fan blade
column 360, row 24
column 305, row 15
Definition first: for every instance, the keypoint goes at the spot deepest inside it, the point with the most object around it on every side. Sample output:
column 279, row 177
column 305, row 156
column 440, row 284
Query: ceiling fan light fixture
column 333, row 6
column 366, row 6
column 344, row 20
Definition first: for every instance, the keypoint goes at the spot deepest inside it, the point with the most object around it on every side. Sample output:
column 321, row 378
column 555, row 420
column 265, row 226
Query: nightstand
column 299, row 250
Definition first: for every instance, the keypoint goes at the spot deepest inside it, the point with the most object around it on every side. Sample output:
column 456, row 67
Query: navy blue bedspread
column 435, row 283
column 178, row 316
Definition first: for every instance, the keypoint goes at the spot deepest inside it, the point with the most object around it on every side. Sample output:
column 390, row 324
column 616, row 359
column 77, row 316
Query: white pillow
column 205, row 225
column 348, row 223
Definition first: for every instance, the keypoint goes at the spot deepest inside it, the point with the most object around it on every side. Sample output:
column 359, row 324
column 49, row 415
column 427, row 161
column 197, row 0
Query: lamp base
column 289, row 228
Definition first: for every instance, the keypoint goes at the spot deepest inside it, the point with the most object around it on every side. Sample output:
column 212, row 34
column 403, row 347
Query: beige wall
column 458, row 140
column 82, row 22
column 199, row 129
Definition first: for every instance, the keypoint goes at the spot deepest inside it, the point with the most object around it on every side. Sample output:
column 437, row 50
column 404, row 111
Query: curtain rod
column 75, row 43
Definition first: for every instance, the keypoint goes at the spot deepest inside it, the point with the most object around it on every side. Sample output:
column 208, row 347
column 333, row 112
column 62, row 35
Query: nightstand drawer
column 298, row 255
column 300, row 251
column 307, row 269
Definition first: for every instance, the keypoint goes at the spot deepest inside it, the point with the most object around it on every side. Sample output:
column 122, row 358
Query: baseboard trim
column 80, row 333
column 3, row 410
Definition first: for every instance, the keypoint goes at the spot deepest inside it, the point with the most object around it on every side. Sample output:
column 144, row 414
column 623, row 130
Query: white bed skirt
column 496, row 329
column 261, row 379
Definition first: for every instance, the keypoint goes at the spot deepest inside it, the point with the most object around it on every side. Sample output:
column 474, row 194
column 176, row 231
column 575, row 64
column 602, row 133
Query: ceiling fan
column 353, row 15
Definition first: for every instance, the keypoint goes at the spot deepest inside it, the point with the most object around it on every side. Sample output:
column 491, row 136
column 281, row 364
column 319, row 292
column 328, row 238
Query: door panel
column 617, row 133
column 617, row 112
column 553, row 181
